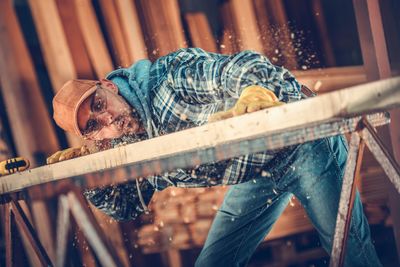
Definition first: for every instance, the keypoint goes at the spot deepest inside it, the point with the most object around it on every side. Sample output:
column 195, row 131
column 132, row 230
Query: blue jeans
column 313, row 173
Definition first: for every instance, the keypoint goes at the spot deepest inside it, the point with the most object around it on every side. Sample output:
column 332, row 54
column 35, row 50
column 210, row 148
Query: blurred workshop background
column 327, row 44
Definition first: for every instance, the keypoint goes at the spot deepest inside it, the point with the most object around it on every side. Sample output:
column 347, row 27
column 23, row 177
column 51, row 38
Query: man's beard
column 129, row 137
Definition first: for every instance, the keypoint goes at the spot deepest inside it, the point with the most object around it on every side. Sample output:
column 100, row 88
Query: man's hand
column 253, row 98
column 68, row 153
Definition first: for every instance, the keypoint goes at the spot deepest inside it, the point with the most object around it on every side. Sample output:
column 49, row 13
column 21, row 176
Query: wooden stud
column 246, row 25
column 200, row 31
column 131, row 30
column 54, row 45
column 228, row 44
column 163, row 27
column 24, row 225
column 75, row 40
column 29, row 120
column 93, row 38
column 115, row 33
column 55, row 48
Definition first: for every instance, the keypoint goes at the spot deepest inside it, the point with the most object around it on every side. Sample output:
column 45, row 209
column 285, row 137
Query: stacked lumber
column 182, row 218
column 331, row 79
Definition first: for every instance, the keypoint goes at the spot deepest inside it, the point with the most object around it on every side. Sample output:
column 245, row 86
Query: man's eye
column 98, row 105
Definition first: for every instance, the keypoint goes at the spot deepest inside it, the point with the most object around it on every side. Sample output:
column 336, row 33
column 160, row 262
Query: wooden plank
column 53, row 42
column 115, row 33
column 200, row 31
column 75, row 40
column 246, row 25
column 330, row 79
column 55, row 48
column 172, row 12
column 256, row 126
column 228, row 44
column 132, row 32
column 93, row 38
column 163, row 26
column 29, row 120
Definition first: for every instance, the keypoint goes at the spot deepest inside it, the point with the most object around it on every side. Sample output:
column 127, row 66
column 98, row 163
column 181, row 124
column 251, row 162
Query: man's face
column 106, row 115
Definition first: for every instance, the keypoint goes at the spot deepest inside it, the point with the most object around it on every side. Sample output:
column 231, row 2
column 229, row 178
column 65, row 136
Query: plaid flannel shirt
column 186, row 87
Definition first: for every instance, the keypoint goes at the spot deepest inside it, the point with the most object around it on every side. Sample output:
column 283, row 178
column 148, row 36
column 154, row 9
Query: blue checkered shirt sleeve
column 191, row 84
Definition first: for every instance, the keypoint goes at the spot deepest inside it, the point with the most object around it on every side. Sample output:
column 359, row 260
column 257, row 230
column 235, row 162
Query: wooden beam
column 330, row 79
column 163, row 26
column 53, row 42
column 227, row 44
column 93, row 38
column 246, row 27
column 256, row 126
column 132, row 32
column 29, row 120
column 74, row 37
column 372, row 39
column 200, row 31
column 55, row 48
column 115, row 33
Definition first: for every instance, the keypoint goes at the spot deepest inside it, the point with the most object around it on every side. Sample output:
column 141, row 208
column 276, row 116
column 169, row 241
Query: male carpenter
column 192, row 87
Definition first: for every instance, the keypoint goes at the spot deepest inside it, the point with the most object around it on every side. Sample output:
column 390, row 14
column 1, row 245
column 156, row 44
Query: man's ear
column 109, row 85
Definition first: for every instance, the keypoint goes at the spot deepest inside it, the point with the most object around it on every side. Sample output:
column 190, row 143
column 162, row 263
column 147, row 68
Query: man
column 190, row 88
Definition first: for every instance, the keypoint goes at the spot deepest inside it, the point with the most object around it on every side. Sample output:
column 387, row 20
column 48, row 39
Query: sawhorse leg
column 15, row 216
column 365, row 135
column 73, row 203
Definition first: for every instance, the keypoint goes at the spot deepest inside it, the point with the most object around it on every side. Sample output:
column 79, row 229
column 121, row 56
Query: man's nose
column 105, row 118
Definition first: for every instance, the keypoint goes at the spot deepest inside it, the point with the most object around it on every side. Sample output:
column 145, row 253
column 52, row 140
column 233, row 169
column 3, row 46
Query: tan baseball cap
column 67, row 102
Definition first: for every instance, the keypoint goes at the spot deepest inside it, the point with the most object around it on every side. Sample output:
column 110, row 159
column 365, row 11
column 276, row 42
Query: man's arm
column 199, row 77
column 122, row 201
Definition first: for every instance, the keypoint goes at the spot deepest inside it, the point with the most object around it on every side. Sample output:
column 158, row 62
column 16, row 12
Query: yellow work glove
column 68, row 153
column 253, row 98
